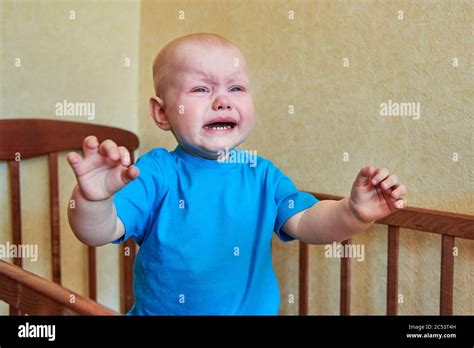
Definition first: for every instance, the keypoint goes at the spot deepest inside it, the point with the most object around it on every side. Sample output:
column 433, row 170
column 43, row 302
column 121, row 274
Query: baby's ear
column 157, row 111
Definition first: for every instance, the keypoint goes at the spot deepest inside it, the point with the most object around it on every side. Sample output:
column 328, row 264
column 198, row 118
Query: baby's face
column 208, row 101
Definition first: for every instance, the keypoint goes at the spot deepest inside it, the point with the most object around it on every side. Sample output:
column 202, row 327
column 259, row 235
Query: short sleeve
column 136, row 202
column 289, row 201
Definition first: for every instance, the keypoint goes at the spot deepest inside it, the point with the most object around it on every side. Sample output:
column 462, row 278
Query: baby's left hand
column 375, row 194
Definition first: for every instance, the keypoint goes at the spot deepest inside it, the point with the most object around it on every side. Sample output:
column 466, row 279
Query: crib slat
column 15, row 202
column 92, row 273
column 128, row 251
column 54, row 216
column 392, row 270
column 127, row 257
column 345, row 299
column 447, row 275
column 303, row 280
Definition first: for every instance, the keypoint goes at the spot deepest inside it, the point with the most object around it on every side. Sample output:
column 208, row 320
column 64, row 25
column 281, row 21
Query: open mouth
column 220, row 126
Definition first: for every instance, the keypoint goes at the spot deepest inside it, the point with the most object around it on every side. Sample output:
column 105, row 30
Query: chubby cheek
column 248, row 119
column 186, row 118
column 186, row 128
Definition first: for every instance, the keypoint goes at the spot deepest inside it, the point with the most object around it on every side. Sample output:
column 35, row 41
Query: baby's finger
column 399, row 191
column 389, row 182
column 90, row 146
column 129, row 174
column 124, row 156
column 74, row 159
column 364, row 175
column 380, row 174
column 109, row 148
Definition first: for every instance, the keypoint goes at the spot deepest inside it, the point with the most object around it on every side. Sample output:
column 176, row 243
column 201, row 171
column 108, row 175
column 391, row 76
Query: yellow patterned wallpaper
column 323, row 73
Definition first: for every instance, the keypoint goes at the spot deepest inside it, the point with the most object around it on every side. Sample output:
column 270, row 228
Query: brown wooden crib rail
column 21, row 139
column 30, row 294
column 449, row 225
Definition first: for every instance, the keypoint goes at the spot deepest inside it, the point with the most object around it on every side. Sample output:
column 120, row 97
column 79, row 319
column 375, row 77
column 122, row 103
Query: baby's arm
column 104, row 170
column 94, row 223
column 375, row 194
column 325, row 222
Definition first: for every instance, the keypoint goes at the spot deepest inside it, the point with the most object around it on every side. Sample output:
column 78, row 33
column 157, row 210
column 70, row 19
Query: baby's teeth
column 221, row 128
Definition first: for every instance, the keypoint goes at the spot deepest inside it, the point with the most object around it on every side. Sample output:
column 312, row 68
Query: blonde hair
column 165, row 61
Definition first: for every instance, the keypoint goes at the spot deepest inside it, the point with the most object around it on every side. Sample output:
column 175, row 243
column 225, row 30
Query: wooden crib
column 27, row 293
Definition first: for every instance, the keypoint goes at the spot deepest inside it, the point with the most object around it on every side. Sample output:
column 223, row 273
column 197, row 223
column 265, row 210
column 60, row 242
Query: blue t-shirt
column 204, row 229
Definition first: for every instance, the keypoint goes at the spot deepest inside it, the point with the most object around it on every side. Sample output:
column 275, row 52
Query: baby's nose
column 222, row 103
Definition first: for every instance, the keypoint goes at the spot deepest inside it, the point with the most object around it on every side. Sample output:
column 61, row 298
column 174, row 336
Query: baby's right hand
column 104, row 170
